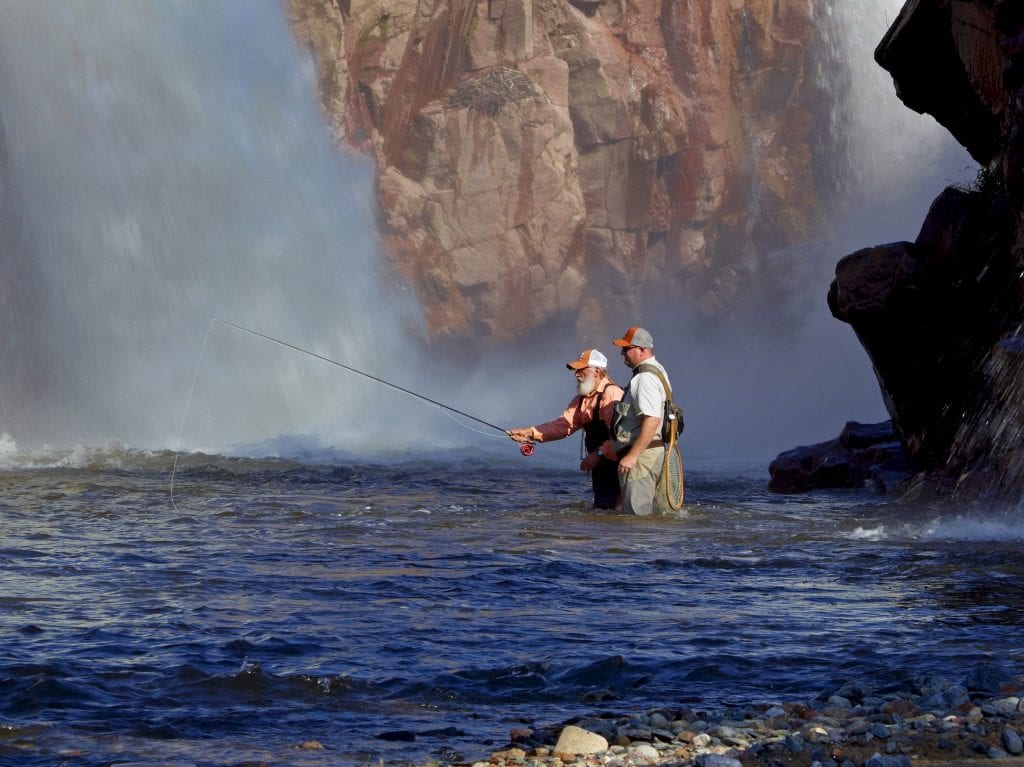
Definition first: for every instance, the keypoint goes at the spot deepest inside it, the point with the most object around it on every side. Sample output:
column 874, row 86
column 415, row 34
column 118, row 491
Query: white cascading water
column 896, row 160
column 892, row 162
column 164, row 163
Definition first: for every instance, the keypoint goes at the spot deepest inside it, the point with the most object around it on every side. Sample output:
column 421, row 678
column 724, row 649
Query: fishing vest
column 596, row 431
column 672, row 411
column 627, row 420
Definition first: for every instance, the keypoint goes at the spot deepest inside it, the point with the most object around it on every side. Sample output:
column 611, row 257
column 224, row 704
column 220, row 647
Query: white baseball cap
column 589, row 358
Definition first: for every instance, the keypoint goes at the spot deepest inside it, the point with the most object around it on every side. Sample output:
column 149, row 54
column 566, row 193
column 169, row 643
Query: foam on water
column 107, row 455
column 868, row 534
column 1005, row 529
column 995, row 525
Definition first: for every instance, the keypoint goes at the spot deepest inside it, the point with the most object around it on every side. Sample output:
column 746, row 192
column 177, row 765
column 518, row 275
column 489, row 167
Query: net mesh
column 672, row 473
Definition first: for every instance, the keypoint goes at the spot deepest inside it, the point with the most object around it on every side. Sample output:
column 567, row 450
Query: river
column 422, row 610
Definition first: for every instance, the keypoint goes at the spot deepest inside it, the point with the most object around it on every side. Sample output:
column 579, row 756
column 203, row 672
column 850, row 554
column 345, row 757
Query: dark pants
column 605, row 479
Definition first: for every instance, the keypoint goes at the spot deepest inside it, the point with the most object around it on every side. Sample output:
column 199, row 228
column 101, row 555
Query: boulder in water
column 860, row 453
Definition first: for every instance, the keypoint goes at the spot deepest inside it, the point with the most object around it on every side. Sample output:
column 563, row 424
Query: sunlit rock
column 669, row 146
column 575, row 740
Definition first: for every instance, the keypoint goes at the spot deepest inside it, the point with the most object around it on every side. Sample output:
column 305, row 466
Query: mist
column 166, row 163
column 776, row 372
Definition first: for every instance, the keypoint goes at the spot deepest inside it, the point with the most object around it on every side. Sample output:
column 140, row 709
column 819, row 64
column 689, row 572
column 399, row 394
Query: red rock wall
column 664, row 145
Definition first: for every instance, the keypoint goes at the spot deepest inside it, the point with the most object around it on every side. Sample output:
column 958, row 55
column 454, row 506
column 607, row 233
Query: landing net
column 672, row 472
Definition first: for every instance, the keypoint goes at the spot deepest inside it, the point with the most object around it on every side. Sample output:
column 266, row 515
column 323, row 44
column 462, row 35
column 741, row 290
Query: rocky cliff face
column 538, row 159
column 941, row 316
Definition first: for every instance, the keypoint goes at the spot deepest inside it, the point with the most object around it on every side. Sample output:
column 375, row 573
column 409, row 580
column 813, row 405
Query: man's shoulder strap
column 609, row 385
column 645, row 368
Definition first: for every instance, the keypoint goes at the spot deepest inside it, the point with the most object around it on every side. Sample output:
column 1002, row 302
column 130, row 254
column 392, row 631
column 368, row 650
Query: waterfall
column 892, row 161
column 164, row 163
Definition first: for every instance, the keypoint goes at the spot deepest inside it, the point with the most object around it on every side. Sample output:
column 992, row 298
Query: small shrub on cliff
column 378, row 30
column 986, row 182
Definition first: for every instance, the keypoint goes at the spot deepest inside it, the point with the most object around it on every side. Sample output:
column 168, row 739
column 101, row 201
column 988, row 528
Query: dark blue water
column 415, row 612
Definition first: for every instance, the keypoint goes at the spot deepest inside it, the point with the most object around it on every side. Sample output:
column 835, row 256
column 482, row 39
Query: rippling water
column 411, row 611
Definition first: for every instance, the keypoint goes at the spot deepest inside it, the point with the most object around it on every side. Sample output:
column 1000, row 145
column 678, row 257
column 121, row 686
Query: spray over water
column 165, row 163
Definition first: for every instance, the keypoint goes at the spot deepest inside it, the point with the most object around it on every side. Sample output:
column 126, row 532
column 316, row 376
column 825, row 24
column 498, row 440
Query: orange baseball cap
column 636, row 336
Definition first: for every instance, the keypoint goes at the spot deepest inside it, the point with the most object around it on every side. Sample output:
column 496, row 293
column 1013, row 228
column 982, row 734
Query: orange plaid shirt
column 580, row 412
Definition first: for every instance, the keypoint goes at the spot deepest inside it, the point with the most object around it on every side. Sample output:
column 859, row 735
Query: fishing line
column 446, row 409
column 470, row 428
column 184, row 414
column 396, row 387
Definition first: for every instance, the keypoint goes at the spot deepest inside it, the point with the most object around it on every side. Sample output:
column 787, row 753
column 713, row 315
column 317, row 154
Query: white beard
column 587, row 385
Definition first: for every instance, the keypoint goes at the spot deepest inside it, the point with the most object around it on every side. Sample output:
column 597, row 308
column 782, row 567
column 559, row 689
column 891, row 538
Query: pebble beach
column 923, row 720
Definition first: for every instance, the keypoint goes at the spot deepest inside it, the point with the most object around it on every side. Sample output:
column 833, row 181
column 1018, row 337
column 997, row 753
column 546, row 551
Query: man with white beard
column 592, row 410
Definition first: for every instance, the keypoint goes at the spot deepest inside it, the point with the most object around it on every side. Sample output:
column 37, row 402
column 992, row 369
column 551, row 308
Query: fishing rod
column 525, row 448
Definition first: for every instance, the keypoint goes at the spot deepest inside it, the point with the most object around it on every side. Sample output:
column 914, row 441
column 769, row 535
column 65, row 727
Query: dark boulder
column 934, row 314
column 861, row 453
column 928, row 313
column 946, row 61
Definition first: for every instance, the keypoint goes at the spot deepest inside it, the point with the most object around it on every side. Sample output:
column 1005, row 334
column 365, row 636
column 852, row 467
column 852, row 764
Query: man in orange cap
column 592, row 410
column 637, row 426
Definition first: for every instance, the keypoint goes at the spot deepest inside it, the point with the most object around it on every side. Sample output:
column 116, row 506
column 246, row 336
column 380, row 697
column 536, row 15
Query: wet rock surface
column 863, row 454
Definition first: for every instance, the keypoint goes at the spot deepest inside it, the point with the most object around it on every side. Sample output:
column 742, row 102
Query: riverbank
column 922, row 721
